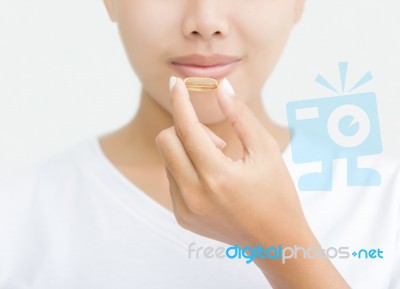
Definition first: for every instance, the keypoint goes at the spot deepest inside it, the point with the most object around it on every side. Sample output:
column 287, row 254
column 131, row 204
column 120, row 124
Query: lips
column 216, row 66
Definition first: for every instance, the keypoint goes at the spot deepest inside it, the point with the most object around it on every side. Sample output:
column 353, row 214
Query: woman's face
column 238, row 39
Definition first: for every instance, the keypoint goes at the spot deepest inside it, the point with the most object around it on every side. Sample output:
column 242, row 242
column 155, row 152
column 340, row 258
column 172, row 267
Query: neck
column 140, row 133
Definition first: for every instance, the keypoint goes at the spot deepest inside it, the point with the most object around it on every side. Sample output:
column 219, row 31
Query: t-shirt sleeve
column 395, row 276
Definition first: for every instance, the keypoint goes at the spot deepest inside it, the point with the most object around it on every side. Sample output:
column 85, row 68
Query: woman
column 106, row 213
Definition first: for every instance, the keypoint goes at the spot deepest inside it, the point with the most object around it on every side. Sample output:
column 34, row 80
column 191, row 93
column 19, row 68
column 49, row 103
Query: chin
column 207, row 108
column 210, row 116
column 212, row 119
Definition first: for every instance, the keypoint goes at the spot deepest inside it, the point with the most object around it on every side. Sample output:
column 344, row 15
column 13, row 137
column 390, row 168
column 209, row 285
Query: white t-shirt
column 74, row 221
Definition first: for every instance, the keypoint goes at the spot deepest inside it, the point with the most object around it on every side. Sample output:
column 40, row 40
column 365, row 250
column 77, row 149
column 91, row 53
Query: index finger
column 205, row 156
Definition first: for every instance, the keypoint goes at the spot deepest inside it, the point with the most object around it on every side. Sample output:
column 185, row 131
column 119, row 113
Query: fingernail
column 172, row 82
column 219, row 142
column 228, row 87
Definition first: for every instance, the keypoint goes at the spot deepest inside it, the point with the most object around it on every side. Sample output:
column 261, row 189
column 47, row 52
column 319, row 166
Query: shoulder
column 389, row 169
column 45, row 176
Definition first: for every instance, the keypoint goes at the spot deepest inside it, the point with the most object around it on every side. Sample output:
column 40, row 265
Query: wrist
column 283, row 255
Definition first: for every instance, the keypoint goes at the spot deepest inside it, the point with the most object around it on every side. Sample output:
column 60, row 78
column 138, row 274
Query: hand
column 212, row 195
column 248, row 202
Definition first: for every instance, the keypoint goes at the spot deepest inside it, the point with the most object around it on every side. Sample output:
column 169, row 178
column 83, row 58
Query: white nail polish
column 228, row 87
column 172, row 82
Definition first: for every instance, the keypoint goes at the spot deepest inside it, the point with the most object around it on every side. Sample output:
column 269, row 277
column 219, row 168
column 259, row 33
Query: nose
column 205, row 19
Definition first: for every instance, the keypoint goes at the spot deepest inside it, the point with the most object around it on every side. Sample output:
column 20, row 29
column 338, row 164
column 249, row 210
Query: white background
column 64, row 75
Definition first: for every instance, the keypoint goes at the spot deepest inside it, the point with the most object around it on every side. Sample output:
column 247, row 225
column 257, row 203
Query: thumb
column 251, row 133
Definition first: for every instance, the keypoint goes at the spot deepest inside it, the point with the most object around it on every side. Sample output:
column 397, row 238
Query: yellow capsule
column 200, row 83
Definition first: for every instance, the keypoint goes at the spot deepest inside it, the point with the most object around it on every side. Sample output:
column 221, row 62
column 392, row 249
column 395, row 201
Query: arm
column 248, row 202
column 299, row 272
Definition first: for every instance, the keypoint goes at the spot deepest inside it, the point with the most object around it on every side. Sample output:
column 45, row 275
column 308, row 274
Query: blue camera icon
column 325, row 129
